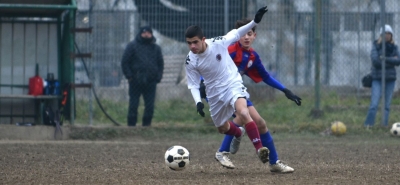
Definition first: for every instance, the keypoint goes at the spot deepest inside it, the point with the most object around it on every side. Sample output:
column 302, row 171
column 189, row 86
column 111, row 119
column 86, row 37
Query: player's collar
column 205, row 51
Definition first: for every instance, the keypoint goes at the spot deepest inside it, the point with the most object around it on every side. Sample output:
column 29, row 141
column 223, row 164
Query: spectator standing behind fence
column 391, row 60
column 142, row 65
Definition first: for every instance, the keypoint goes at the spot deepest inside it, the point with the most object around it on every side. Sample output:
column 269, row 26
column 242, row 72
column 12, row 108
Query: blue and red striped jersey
column 249, row 63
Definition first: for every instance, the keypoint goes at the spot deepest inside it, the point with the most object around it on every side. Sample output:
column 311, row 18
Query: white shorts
column 222, row 107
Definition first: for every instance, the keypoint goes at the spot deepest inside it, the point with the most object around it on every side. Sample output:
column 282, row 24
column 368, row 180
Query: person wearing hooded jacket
column 143, row 65
column 392, row 59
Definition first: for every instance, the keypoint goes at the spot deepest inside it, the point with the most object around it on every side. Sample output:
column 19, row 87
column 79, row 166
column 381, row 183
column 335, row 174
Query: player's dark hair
column 242, row 22
column 193, row 31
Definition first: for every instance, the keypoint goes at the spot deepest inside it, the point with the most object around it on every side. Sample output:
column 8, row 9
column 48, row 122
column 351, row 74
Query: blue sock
column 268, row 142
column 226, row 143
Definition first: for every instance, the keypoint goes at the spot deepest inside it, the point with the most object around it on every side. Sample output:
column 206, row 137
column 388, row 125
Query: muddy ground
column 367, row 159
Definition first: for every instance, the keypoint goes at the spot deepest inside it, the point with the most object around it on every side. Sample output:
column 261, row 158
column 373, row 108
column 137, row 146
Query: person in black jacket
column 142, row 65
column 392, row 59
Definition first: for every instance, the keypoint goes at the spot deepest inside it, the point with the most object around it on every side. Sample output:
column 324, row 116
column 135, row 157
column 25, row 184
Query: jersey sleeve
column 271, row 81
column 227, row 39
column 192, row 75
column 235, row 34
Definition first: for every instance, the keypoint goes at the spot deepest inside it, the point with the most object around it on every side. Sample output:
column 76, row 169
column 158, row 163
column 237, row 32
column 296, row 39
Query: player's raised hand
column 260, row 13
column 292, row 96
column 200, row 107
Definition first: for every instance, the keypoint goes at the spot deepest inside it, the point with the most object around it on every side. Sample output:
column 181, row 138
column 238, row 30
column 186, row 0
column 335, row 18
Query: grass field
column 280, row 113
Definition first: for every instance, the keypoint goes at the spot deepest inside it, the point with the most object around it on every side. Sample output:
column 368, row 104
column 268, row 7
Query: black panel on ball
column 170, row 158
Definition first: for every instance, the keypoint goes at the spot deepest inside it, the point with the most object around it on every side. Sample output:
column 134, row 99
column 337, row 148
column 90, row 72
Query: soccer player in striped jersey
column 248, row 63
column 226, row 93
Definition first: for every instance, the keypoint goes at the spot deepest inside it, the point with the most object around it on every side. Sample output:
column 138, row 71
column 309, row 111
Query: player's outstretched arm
column 292, row 96
column 275, row 83
column 244, row 29
column 235, row 35
column 269, row 80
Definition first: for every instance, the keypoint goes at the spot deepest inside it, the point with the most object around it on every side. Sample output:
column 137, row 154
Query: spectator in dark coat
column 392, row 59
column 142, row 65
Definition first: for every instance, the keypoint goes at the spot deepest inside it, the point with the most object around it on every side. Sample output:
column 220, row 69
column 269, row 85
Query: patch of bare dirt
column 316, row 159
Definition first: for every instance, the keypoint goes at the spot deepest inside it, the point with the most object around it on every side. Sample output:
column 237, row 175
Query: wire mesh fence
column 298, row 41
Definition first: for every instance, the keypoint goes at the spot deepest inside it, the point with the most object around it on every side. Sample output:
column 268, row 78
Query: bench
column 39, row 102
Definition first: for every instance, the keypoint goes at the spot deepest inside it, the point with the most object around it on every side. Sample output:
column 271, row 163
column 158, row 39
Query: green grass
column 281, row 114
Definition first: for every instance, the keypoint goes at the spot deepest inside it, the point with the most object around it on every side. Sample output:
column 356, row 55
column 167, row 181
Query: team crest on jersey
column 218, row 57
column 249, row 64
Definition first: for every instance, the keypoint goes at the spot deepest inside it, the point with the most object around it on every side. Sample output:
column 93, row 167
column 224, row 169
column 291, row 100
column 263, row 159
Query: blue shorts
column 249, row 104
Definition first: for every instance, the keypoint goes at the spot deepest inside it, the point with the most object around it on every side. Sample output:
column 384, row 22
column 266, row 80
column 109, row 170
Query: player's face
column 196, row 45
column 247, row 39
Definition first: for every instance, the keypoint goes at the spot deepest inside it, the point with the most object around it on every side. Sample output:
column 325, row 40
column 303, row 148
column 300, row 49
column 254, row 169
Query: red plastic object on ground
column 36, row 84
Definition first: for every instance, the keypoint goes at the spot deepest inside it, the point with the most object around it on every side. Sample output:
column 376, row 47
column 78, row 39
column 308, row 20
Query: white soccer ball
column 395, row 130
column 177, row 157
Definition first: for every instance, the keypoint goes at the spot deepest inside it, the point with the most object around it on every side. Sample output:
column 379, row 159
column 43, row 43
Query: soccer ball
column 177, row 157
column 338, row 128
column 395, row 130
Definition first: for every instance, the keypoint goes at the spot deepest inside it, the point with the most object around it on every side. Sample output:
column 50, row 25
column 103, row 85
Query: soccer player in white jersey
column 226, row 93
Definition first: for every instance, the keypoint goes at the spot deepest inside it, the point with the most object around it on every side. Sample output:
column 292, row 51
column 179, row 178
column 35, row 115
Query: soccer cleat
column 235, row 143
column 280, row 167
column 223, row 159
column 263, row 154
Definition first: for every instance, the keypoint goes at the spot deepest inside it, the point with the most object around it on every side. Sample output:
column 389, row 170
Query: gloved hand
column 202, row 90
column 200, row 107
column 260, row 14
column 292, row 96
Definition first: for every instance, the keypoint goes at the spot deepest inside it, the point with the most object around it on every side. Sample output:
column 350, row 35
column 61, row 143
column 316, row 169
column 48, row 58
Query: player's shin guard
column 268, row 142
column 254, row 135
column 233, row 130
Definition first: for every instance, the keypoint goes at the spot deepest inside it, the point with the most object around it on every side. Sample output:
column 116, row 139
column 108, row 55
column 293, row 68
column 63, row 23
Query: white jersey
column 220, row 74
column 215, row 65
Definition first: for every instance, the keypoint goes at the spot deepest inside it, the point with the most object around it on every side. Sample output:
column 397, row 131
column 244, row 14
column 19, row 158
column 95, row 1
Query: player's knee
column 261, row 124
column 224, row 128
column 243, row 114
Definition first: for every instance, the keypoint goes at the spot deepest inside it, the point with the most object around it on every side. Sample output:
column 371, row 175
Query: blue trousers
column 375, row 97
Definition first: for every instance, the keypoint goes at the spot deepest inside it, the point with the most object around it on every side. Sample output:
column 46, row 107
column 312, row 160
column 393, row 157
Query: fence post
column 383, row 20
